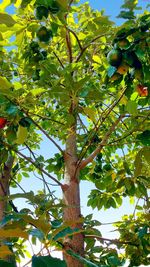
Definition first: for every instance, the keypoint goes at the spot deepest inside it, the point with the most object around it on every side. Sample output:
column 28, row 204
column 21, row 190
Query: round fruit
column 3, row 122
column 41, row 11
column 54, row 7
column 123, row 44
column 43, row 34
column 25, row 122
column 107, row 167
column 142, row 90
column 114, row 57
column 123, row 69
column 34, row 46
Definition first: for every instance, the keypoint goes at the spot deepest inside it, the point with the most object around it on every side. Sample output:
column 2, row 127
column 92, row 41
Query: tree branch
column 76, row 39
column 38, row 167
column 85, row 47
column 45, row 133
column 58, row 59
column 69, row 45
column 100, row 146
column 46, row 118
column 97, row 126
column 114, row 241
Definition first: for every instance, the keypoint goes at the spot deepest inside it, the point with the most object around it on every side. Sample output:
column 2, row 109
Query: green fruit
column 123, row 44
column 41, row 11
column 43, row 34
column 132, row 60
column 54, row 7
column 114, row 57
column 11, row 135
column 107, row 167
column 34, row 46
column 25, row 122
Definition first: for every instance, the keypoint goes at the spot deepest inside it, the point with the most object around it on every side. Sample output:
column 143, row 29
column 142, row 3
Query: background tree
column 83, row 84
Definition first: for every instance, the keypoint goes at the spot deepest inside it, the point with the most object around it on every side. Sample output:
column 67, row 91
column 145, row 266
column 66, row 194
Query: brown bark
column 71, row 196
column 5, row 177
column 72, row 215
column 4, row 185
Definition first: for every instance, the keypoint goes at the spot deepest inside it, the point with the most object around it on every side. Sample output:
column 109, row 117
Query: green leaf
column 66, row 232
column 144, row 138
column 81, row 259
column 47, row 261
column 21, row 135
column 37, row 233
column 146, row 154
column 142, row 232
column 6, row 264
column 6, row 19
column 24, row 3
column 132, row 107
column 114, row 261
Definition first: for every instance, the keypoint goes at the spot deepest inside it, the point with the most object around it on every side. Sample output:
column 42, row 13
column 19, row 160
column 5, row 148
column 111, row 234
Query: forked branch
column 89, row 159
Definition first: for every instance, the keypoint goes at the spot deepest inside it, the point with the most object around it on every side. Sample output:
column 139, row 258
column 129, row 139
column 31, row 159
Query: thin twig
column 89, row 159
column 85, row 47
column 58, row 59
column 45, row 118
column 78, row 41
column 38, row 167
column 46, row 134
column 114, row 241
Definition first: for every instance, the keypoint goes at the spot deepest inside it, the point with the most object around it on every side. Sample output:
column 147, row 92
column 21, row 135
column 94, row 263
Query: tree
column 82, row 83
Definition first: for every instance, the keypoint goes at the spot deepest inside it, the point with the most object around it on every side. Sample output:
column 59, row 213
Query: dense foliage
column 64, row 68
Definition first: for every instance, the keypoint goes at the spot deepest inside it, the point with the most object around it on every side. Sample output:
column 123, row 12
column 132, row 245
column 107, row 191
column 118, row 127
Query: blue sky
column 111, row 7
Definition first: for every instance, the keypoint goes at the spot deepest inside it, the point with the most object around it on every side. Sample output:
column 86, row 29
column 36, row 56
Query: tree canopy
column 70, row 75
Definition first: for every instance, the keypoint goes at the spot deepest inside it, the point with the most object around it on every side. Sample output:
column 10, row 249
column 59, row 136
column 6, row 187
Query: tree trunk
column 71, row 196
column 5, row 177
column 72, row 215
column 4, row 184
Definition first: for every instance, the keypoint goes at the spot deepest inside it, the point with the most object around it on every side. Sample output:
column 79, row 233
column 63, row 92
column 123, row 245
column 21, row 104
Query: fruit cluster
column 44, row 10
column 34, row 54
column 123, row 60
column 122, row 57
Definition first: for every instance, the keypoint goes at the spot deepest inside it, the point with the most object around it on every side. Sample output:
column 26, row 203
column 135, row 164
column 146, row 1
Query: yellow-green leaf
column 91, row 114
column 63, row 3
column 97, row 59
column 21, row 135
column 17, row 232
column 4, row 4
column 40, row 223
column 6, row 19
column 37, row 91
column 4, row 83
